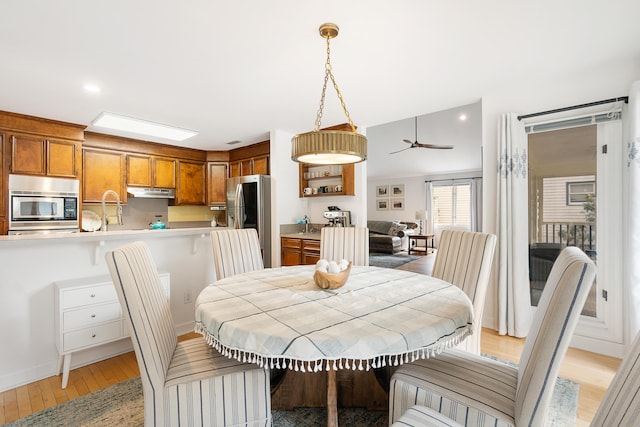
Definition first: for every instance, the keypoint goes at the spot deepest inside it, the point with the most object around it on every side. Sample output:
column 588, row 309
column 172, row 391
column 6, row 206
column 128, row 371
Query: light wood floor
column 592, row 371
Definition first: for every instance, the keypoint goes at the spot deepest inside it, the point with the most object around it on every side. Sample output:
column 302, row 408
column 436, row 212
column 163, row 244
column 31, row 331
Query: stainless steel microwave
column 43, row 204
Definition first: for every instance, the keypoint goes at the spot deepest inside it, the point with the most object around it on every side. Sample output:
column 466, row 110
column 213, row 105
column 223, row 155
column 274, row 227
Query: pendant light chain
column 328, row 74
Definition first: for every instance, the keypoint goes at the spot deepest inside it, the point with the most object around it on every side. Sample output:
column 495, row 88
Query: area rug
column 121, row 405
column 390, row 261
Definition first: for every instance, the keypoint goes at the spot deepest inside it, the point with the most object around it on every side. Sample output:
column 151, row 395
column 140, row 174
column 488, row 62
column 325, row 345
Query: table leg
column 332, row 399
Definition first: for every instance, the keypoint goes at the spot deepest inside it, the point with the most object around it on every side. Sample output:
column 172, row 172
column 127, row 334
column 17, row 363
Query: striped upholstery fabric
column 350, row 243
column 464, row 258
column 236, row 251
column 421, row 416
column 621, row 403
column 186, row 383
column 477, row 391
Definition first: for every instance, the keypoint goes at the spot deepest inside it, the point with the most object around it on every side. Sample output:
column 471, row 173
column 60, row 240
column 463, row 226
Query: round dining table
column 278, row 318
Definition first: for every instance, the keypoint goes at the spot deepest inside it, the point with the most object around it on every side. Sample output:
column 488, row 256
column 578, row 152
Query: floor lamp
column 421, row 216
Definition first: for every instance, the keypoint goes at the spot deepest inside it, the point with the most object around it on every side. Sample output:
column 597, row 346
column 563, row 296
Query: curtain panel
column 514, row 301
column 633, row 215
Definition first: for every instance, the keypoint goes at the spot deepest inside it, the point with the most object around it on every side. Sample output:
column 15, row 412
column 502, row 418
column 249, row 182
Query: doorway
column 575, row 200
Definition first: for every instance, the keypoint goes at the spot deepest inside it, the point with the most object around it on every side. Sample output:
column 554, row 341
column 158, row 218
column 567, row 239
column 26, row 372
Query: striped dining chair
column 477, row 391
column 236, row 251
column 350, row 243
column 464, row 258
column 185, row 383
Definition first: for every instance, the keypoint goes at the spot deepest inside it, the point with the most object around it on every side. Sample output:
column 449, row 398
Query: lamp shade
column 421, row 214
column 329, row 147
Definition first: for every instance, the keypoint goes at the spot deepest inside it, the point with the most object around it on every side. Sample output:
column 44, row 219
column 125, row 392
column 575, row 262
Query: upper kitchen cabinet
column 103, row 170
column 37, row 146
column 151, row 171
column 192, row 179
column 250, row 160
column 216, row 183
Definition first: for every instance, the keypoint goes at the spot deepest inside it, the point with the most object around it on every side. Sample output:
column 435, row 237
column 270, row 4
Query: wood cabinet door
column 246, row 167
column 291, row 257
column 62, row 158
column 139, row 170
column 234, row 169
column 164, row 172
column 27, row 155
column 191, row 183
column 102, row 171
column 217, row 183
column 261, row 165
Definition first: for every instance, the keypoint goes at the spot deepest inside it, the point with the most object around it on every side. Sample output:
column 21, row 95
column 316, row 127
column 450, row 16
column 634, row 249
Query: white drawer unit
column 88, row 314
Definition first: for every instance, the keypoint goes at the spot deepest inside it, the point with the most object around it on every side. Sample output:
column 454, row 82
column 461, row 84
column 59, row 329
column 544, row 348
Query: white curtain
column 633, row 242
column 514, row 301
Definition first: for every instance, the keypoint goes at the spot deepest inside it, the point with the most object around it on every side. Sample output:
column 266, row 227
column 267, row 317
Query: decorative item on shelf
column 331, row 274
column 329, row 147
column 421, row 216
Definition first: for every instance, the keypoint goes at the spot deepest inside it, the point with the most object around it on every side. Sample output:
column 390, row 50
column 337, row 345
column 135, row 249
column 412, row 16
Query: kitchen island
column 30, row 265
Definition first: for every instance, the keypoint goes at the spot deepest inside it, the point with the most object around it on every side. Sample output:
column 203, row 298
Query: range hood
column 151, row 193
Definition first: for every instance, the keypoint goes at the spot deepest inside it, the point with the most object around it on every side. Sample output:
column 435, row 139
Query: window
column 579, row 192
column 451, row 205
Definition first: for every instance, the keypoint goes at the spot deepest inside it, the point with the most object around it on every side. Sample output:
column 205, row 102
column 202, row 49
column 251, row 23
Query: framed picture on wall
column 382, row 191
column 382, row 205
column 397, row 190
column 397, row 204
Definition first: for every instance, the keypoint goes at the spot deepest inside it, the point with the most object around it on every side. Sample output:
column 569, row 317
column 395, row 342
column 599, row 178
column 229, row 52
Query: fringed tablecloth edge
column 380, row 361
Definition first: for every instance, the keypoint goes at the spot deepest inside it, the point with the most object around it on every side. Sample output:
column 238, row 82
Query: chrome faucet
column 306, row 224
column 104, row 209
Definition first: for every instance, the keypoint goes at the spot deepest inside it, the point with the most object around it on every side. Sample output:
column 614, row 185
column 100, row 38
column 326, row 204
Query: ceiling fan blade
column 435, row 146
column 407, row 141
column 394, row 152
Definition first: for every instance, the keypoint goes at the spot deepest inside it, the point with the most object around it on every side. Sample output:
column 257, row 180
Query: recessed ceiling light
column 463, row 117
column 92, row 88
column 142, row 127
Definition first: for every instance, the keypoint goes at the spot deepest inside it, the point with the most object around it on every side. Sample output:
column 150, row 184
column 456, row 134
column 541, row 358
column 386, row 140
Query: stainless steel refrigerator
column 249, row 206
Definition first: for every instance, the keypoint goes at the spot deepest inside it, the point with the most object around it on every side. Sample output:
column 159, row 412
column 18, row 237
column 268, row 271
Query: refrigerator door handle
column 237, row 223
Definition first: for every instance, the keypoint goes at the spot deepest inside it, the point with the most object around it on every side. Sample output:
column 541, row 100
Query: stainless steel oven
column 43, row 205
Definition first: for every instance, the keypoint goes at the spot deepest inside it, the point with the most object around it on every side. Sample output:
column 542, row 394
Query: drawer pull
column 93, row 295
column 93, row 336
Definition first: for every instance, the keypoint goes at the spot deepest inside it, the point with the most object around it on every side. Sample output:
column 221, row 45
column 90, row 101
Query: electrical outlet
column 187, row 297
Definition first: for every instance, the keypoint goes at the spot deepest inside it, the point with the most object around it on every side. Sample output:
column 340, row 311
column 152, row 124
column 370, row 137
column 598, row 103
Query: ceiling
column 234, row 71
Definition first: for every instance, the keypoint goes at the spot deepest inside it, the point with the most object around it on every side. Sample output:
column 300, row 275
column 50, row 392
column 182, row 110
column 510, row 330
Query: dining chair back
column 236, row 251
column 620, row 405
column 184, row 383
column 477, row 391
column 350, row 243
column 464, row 258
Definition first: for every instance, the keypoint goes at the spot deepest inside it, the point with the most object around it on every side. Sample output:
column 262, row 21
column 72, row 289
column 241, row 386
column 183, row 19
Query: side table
column 414, row 239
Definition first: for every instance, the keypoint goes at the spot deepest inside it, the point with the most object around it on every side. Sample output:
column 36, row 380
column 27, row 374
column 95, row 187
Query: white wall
column 288, row 207
column 600, row 82
column 31, row 267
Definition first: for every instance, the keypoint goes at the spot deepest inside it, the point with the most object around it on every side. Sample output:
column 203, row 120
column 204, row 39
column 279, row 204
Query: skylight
column 142, row 127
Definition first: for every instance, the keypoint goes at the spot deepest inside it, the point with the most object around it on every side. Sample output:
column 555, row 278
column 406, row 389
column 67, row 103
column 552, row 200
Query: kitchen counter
column 301, row 235
column 111, row 235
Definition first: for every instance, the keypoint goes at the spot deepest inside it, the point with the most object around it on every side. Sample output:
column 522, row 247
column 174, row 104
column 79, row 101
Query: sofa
column 389, row 237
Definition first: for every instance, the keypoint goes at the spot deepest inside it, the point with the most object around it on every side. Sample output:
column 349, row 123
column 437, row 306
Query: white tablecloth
column 279, row 318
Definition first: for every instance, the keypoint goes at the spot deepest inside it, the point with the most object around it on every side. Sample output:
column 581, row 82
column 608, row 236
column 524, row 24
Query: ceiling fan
column 416, row 144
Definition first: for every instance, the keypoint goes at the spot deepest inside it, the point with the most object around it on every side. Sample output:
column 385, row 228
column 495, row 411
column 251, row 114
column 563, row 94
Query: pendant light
column 329, row 147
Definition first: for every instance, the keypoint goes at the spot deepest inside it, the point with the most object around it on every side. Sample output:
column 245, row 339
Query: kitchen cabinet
column 337, row 179
column 299, row 251
column 252, row 166
column 192, row 180
column 36, row 155
column 88, row 314
column 151, row 171
column 216, row 183
column 103, row 170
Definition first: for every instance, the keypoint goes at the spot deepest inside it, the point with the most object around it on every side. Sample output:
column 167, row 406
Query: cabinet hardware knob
column 93, row 316
column 93, row 336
